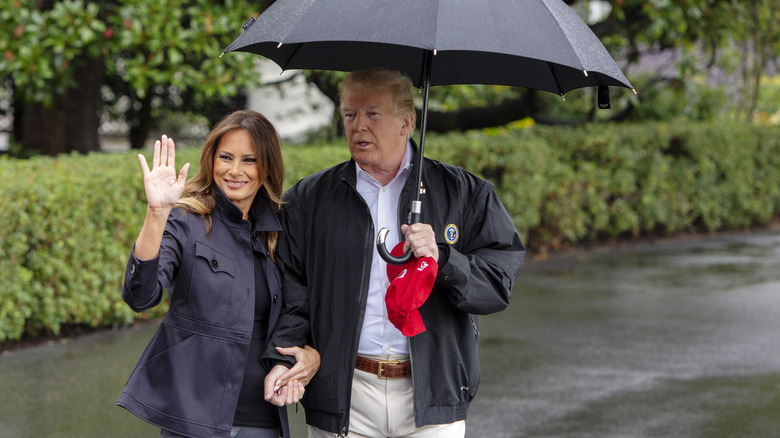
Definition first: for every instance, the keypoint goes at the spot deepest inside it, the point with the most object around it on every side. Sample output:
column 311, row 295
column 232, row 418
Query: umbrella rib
column 575, row 52
column 292, row 55
column 551, row 66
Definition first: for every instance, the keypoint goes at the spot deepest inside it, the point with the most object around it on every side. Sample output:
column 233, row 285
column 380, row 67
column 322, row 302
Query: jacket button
column 214, row 263
column 276, row 298
column 255, row 237
column 132, row 269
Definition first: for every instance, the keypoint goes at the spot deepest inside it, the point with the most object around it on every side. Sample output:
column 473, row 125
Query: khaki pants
column 385, row 408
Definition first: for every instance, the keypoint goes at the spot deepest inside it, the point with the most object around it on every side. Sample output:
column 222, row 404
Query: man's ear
column 406, row 126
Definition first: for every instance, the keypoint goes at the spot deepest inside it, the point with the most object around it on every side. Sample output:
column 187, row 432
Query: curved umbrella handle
column 385, row 254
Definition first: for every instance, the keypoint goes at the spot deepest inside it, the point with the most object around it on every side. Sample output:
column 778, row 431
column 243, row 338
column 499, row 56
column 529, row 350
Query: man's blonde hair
column 362, row 82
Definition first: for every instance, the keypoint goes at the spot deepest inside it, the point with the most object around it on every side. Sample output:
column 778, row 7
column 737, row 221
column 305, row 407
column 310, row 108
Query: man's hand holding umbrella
column 421, row 240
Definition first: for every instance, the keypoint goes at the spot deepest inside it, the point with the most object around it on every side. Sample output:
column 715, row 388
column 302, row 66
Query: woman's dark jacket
column 325, row 256
column 189, row 377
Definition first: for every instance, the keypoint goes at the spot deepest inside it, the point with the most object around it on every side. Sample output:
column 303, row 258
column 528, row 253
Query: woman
column 211, row 243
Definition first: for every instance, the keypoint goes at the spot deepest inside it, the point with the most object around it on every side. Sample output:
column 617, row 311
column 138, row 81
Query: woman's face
column 235, row 169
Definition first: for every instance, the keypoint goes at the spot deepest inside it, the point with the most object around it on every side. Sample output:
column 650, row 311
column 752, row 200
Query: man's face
column 375, row 133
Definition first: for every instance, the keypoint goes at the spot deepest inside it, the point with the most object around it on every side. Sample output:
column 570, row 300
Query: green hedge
column 69, row 222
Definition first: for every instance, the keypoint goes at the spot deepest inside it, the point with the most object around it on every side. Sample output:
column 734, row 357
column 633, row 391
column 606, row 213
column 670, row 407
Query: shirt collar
column 406, row 164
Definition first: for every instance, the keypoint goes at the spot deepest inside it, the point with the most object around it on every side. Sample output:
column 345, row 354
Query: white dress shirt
column 379, row 336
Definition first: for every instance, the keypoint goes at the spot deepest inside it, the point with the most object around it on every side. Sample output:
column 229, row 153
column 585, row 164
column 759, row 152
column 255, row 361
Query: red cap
column 410, row 285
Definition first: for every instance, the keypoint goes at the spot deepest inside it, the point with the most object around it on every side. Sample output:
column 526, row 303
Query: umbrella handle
column 385, row 254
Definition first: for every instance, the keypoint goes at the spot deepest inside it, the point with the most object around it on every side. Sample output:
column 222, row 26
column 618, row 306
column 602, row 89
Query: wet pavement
column 678, row 339
column 671, row 339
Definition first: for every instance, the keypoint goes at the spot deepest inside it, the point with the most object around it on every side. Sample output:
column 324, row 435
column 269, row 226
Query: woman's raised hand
column 163, row 189
column 162, row 185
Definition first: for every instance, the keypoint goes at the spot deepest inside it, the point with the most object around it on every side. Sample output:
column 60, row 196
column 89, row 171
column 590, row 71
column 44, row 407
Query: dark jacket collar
column 261, row 214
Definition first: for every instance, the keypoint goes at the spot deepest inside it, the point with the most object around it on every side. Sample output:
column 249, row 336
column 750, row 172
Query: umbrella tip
column 279, row 45
column 634, row 90
column 586, row 73
column 220, row 55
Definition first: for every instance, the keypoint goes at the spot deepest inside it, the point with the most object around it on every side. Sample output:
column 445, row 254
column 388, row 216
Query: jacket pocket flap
column 217, row 261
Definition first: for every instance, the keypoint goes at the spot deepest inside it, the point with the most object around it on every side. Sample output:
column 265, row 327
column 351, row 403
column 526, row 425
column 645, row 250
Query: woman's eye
column 250, row 160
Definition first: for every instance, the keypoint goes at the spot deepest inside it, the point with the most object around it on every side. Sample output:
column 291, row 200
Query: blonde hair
column 371, row 80
column 198, row 195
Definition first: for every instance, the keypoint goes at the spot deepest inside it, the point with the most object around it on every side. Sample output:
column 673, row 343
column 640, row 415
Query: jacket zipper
column 363, row 298
column 405, row 216
column 414, row 393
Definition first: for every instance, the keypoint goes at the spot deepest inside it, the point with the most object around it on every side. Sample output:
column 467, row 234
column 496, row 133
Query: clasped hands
column 285, row 386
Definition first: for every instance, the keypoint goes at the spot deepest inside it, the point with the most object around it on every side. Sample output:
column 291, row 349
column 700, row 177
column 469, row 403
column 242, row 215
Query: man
column 335, row 282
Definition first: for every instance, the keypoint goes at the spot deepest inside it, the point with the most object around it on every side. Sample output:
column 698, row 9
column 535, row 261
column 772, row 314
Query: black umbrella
column 540, row 44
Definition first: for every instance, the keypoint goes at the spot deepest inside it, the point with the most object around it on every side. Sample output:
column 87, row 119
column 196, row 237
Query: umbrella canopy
column 540, row 44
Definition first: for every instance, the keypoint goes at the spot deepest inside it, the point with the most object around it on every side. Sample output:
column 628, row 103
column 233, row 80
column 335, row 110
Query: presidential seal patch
column 451, row 234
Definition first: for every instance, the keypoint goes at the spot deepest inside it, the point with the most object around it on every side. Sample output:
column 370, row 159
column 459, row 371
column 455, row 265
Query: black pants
column 237, row 432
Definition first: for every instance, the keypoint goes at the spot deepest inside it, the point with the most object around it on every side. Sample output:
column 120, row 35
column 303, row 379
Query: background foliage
column 137, row 62
column 70, row 221
column 127, row 60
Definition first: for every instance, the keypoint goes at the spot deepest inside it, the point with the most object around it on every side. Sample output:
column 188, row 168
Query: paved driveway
column 676, row 339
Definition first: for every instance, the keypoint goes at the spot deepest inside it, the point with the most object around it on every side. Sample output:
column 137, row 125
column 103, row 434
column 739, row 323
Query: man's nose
column 360, row 122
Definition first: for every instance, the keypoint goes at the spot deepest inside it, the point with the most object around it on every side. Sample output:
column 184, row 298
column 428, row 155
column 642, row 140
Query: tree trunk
column 330, row 89
column 83, row 105
column 72, row 122
column 44, row 128
column 141, row 122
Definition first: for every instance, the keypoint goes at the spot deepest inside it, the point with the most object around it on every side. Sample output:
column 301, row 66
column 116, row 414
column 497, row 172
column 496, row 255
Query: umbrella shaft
column 417, row 204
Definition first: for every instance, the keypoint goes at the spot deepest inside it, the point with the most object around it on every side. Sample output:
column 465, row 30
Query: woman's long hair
column 198, row 196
